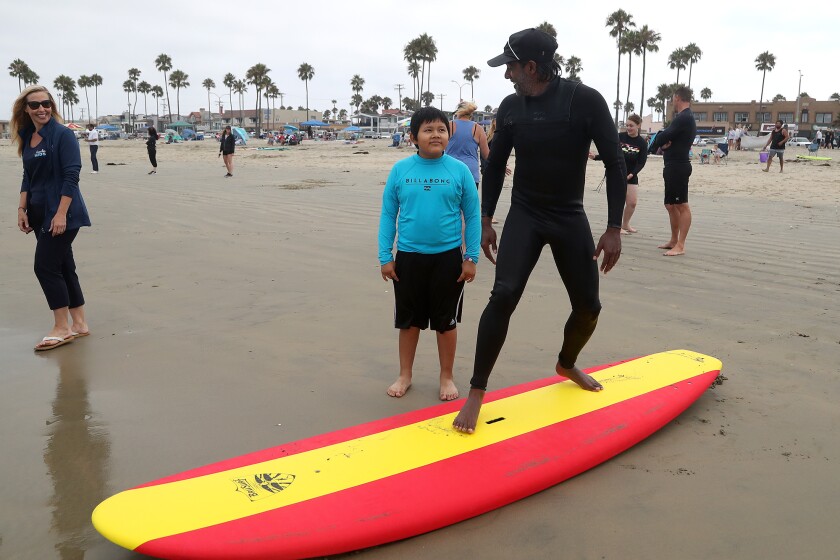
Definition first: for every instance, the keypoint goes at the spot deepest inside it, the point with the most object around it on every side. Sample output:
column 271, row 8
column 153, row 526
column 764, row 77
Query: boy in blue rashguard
column 425, row 198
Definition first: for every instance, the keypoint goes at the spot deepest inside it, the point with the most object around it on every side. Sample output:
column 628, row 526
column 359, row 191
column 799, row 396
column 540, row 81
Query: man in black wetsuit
column 550, row 122
column 676, row 141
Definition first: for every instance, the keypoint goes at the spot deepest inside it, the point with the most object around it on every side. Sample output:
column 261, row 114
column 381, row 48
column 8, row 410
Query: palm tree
column 628, row 109
column 67, row 86
column 546, row 27
column 30, row 77
column 228, row 82
column 134, row 75
column 18, row 69
column 178, row 80
column 240, row 87
column 835, row 97
column 693, row 54
column 414, row 71
column 96, row 81
column 573, row 68
column 357, row 83
column 72, row 99
column 209, row 84
column 256, row 75
column 144, row 87
column 677, row 60
column 306, row 72
column 428, row 98
column 618, row 22
column 488, row 109
column 471, row 74
column 84, row 83
column 357, row 100
column 706, row 94
column 631, row 44
column 342, row 115
column 157, row 93
column 648, row 39
column 765, row 62
column 164, row 64
column 428, row 54
column 128, row 87
column 273, row 93
column 653, row 103
column 663, row 95
column 411, row 54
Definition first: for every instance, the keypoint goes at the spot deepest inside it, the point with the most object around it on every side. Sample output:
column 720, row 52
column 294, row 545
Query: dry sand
column 231, row 315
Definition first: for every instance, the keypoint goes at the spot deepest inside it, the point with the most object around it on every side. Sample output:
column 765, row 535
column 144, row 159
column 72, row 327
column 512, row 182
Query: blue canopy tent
column 187, row 134
column 107, row 127
column 314, row 123
column 351, row 129
column 240, row 134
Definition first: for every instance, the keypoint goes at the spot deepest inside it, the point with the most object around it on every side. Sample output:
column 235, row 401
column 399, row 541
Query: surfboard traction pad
column 405, row 475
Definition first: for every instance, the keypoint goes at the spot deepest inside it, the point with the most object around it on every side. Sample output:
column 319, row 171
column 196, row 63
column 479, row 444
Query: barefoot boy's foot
column 468, row 417
column 399, row 387
column 631, row 229
column 675, row 252
column 448, row 390
column 668, row 245
column 583, row 380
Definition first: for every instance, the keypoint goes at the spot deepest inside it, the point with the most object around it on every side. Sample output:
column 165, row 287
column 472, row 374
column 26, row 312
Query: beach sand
column 232, row 315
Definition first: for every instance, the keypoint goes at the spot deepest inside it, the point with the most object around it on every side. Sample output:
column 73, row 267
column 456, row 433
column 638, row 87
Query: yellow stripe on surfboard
column 136, row 516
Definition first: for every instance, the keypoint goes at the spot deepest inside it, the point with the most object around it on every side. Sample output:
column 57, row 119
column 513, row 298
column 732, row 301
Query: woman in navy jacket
column 51, row 205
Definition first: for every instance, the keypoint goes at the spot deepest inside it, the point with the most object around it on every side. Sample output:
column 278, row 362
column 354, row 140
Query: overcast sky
column 340, row 38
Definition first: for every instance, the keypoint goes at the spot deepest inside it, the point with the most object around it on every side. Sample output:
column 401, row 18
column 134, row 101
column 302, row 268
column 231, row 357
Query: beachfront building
column 271, row 118
column 715, row 118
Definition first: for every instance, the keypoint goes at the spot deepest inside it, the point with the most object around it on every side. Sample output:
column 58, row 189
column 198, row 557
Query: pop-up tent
column 240, row 133
column 351, row 129
column 107, row 127
column 314, row 123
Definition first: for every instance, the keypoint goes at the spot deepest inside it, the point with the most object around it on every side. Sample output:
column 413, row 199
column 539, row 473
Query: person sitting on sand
column 425, row 198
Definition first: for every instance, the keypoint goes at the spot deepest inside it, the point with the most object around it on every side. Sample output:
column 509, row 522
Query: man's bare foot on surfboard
column 399, row 387
column 448, row 390
column 583, row 380
column 468, row 417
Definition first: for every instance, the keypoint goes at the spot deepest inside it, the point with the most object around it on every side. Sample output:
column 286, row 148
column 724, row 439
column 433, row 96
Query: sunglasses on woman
column 46, row 104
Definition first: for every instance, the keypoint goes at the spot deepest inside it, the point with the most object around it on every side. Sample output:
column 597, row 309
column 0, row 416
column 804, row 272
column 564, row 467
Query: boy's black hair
column 426, row 115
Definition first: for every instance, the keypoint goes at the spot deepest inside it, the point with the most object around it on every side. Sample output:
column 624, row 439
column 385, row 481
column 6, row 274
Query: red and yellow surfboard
column 405, row 475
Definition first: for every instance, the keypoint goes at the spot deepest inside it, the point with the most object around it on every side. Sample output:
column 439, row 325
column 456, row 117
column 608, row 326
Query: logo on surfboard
column 263, row 485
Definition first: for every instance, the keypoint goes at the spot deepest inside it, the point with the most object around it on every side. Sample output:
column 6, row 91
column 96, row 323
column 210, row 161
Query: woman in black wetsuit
column 634, row 149
column 151, row 146
column 227, row 145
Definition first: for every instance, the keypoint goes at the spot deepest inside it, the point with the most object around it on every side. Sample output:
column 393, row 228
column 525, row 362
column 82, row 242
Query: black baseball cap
column 525, row 45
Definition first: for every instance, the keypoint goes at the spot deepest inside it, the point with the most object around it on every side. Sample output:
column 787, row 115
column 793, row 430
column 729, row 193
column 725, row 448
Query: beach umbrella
column 107, row 127
column 74, row 126
column 352, row 129
column 290, row 127
column 240, row 133
column 314, row 123
column 404, row 122
column 180, row 124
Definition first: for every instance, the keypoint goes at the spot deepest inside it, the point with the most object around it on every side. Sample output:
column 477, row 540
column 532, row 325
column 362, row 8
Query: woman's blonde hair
column 465, row 109
column 492, row 130
column 21, row 119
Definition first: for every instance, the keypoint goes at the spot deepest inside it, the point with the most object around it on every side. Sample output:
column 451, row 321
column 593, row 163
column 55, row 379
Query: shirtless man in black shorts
column 675, row 142
column 551, row 123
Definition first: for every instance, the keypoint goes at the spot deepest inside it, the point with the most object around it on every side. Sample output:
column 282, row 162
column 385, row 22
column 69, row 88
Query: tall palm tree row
column 96, row 81
column 85, row 82
column 228, row 82
column 693, row 55
column 357, row 84
column 128, row 87
column 306, row 72
column 471, row 74
column 163, row 63
column 178, row 79
column 765, row 62
column 19, row 69
column 619, row 23
column 144, row 87
column 257, row 75
column 240, row 87
column 209, row 84
column 648, row 39
column 134, row 76
column 630, row 44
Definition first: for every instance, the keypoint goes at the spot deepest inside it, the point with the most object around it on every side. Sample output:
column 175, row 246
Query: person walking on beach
column 467, row 139
column 227, row 145
column 151, row 147
column 426, row 196
column 92, row 139
column 550, row 122
column 778, row 138
column 634, row 149
column 51, row 205
column 675, row 142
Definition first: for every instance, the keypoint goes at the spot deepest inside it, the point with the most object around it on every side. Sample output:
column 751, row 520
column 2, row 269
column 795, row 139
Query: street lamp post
column 460, row 87
column 210, row 110
column 798, row 92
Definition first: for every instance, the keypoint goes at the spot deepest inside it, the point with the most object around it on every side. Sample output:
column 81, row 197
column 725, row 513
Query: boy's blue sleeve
column 471, row 208
column 388, row 219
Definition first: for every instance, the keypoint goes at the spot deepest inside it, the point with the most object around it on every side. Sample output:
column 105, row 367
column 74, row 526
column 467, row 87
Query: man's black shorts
column 676, row 182
column 428, row 292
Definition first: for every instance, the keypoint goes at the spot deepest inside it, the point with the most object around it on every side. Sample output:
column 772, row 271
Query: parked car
column 799, row 141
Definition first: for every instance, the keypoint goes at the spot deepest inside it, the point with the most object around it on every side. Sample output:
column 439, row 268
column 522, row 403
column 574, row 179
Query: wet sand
column 231, row 315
